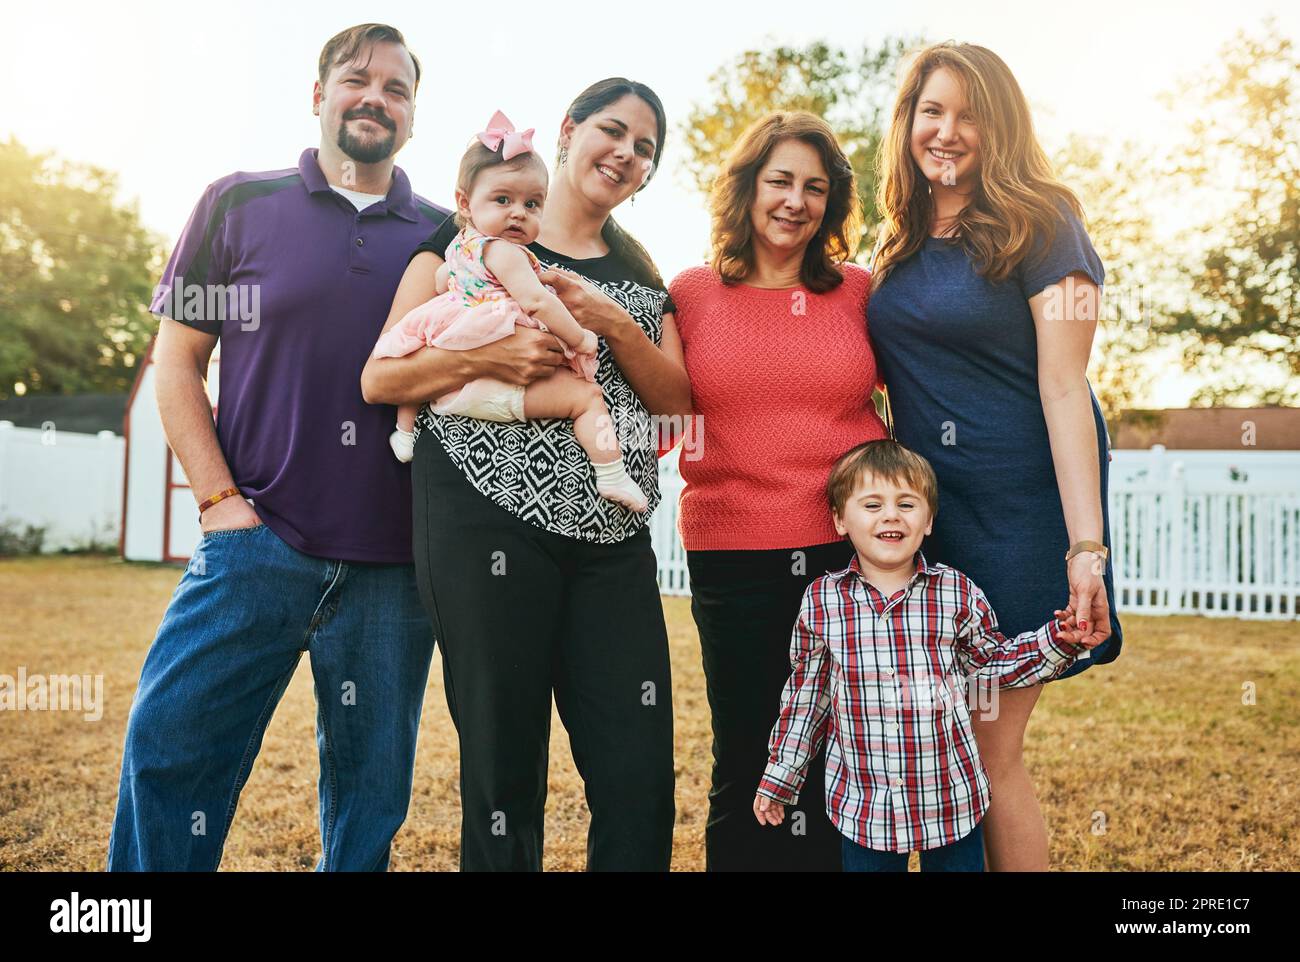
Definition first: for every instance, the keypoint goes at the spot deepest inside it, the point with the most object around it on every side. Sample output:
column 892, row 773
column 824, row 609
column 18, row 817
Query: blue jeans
column 245, row 610
column 964, row 855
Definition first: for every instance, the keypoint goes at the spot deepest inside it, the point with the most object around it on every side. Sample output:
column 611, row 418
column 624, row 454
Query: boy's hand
column 1073, row 633
column 768, row 811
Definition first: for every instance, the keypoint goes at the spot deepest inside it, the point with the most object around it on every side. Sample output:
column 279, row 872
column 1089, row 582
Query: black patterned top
column 536, row 469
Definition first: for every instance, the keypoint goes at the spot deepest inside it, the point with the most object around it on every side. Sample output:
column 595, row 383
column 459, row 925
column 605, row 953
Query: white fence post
column 1176, row 519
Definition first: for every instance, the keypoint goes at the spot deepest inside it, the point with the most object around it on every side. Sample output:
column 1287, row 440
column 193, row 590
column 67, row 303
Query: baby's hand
column 590, row 344
column 768, row 811
column 1072, row 632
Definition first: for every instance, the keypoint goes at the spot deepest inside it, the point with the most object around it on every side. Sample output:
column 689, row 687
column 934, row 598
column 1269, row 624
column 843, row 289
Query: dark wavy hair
column 737, row 184
column 597, row 97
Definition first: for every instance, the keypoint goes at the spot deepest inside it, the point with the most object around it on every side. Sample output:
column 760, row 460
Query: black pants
column 745, row 605
column 520, row 613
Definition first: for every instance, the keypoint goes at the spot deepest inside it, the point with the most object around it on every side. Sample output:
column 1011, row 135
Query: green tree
column 1245, row 284
column 853, row 90
column 1118, row 186
column 1225, row 295
column 76, row 272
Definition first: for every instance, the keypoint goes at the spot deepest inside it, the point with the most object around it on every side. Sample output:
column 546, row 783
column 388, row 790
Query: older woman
column 536, row 585
column 781, row 374
column 983, row 318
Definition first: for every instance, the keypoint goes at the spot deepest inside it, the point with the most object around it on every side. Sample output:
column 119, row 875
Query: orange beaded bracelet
column 219, row 496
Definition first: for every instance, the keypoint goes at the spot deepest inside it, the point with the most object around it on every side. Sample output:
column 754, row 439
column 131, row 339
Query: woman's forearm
column 1073, row 436
column 429, row 373
column 657, row 374
column 662, row 385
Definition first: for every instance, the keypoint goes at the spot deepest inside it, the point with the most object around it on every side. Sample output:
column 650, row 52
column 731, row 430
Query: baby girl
column 492, row 285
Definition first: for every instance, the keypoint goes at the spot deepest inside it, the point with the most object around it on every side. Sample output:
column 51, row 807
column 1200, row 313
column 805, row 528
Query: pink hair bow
column 501, row 130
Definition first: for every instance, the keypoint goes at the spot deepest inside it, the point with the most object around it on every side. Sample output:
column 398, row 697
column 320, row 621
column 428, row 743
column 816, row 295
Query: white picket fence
column 1229, row 549
column 1182, row 541
column 674, row 578
column 1195, row 532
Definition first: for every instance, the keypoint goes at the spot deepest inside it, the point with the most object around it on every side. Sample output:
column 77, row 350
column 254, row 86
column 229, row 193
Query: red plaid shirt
column 883, row 683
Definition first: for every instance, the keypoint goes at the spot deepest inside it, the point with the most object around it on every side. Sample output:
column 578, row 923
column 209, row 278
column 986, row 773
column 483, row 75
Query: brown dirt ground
column 1186, row 776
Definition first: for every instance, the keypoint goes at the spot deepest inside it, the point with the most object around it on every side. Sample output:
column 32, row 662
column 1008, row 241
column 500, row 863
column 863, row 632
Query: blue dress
column 959, row 356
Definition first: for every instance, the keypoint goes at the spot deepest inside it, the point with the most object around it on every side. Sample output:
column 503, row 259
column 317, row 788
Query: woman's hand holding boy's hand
column 1072, row 632
column 1088, row 594
column 768, row 811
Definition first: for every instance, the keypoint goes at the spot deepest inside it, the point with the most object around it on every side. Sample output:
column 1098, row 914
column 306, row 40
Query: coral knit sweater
column 783, row 380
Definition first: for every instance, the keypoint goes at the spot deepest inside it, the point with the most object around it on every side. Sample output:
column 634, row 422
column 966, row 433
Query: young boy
column 881, row 654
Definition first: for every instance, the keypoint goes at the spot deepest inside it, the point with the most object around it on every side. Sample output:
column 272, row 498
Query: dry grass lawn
column 1157, row 751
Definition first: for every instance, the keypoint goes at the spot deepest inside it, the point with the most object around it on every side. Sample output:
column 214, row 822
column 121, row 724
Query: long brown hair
column 1017, row 198
column 622, row 244
column 737, row 184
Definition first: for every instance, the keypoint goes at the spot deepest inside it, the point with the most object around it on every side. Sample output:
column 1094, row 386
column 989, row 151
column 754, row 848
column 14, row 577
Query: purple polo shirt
column 297, row 283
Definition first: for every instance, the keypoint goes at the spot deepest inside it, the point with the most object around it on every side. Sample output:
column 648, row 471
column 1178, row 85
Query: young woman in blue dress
column 985, row 300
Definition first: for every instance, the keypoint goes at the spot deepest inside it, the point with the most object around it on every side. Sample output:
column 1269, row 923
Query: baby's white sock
column 403, row 444
column 614, row 484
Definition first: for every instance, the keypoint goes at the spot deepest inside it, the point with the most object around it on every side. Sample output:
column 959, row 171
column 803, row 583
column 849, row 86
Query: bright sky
column 173, row 96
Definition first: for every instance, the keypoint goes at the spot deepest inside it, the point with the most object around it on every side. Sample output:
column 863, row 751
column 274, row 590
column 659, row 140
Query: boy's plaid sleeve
column 1027, row 659
column 805, row 706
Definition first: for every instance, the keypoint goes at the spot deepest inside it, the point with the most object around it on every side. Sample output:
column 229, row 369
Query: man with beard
column 305, row 512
